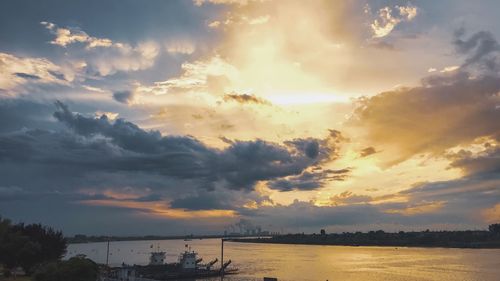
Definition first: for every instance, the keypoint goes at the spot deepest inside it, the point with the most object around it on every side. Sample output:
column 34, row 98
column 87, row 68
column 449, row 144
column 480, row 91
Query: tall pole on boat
column 222, row 257
column 107, row 254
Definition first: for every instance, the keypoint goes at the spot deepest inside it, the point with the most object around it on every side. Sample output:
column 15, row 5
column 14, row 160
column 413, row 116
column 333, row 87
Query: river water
column 310, row 262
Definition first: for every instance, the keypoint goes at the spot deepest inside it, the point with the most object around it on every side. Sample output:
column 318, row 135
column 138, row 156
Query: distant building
column 323, row 232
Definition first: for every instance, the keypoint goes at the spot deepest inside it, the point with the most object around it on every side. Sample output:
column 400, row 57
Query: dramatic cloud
column 196, row 116
column 482, row 47
column 388, row 19
column 121, row 147
column 486, row 161
column 309, row 180
column 409, row 121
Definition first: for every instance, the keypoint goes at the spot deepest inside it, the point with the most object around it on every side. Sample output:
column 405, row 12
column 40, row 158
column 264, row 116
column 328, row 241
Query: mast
column 107, row 254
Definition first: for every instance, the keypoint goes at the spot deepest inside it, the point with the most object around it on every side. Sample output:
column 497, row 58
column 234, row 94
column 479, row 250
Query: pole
column 107, row 254
column 222, row 257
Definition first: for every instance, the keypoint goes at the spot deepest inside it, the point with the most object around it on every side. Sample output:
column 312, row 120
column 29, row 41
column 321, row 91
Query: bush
column 74, row 269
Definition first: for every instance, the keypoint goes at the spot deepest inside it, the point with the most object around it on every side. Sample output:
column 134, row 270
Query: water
column 306, row 262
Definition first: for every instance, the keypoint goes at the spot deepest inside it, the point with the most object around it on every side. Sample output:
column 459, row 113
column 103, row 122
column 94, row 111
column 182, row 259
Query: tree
column 53, row 244
column 495, row 228
column 75, row 269
column 29, row 245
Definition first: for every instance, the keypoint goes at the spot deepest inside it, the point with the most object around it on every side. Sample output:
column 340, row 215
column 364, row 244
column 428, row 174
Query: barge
column 188, row 266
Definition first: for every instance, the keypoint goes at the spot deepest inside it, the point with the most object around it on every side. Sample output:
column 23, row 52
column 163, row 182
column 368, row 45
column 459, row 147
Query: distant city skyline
column 172, row 117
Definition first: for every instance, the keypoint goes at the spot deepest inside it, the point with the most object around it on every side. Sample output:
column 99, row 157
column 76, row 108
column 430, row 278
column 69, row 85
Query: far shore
column 425, row 239
column 77, row 239
column 457, row 246
column 471, row 239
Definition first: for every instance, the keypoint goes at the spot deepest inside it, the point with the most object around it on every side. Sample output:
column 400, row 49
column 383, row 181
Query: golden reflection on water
column 306, row 262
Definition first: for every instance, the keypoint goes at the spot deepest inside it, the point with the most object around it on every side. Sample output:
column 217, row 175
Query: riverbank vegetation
column 35, row 251
column 451, row 239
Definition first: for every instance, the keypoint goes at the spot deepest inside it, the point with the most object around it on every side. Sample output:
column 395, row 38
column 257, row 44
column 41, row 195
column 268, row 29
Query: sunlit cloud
column 388, row 18
column 161, row 209
column 104, row 55
column 184, row 47
column 17, row 71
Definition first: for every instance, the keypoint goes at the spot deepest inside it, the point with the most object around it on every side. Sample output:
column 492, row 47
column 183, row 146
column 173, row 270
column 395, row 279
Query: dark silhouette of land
column 448, row 239
column 80, row 238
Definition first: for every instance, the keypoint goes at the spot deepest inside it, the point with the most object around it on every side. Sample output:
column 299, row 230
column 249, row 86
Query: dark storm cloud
column 205, row 201
column 27, row 76
column 18, row 114
column 41, row 168
column 486, row 162
column 124, row 96
column 96, row 145
column 309, row 180
column 480, row 46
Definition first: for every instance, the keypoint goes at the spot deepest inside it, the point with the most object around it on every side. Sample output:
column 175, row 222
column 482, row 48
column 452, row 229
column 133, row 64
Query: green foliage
column 74, row 269
column 28, row 245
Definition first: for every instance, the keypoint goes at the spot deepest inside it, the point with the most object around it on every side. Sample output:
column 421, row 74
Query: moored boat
column 189, row 265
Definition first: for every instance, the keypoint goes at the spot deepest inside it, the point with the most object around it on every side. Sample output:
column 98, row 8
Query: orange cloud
column 161, row 209
column 491, row 215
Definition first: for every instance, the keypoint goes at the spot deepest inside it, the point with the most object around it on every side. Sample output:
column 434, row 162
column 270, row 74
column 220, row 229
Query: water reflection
column 305, row 262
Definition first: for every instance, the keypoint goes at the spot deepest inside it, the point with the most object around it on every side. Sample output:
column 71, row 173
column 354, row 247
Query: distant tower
column 323, row 232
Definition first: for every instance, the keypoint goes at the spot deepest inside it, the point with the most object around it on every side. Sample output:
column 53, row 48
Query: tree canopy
column 28, row 245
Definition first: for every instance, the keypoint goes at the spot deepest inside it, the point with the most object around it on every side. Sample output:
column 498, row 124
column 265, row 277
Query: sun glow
column 306, row 98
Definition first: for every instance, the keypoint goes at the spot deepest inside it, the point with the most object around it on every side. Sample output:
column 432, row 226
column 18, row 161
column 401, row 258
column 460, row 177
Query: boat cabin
column 157, row 258
column 187, row 260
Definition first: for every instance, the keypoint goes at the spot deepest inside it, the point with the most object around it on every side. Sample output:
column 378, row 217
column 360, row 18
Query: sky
column 127, row 117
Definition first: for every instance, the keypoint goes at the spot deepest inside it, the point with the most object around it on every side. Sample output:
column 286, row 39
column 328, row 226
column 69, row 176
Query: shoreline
column 451, row 245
